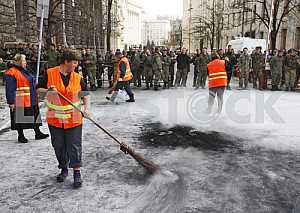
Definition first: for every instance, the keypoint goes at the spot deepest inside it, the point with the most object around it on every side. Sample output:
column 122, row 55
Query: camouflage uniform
column 291, row 63
column 200, row 63
column 166, row 62
column 157, row 68
column 91, row 66
column 258, row 65
column 276, row 64
column 148, row 71
column 172, row 69
column 244, row 64
column 52, row 58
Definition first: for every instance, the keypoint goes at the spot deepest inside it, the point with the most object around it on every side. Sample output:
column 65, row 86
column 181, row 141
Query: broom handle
column 89, row 118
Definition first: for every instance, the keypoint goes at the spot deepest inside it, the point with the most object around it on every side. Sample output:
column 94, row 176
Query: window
column 283, row 38
column 261, row 34
column 297, row 38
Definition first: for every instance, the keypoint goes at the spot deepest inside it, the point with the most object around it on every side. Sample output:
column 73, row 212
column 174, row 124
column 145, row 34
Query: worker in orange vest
column 217, row 81
column 123, row 77
column 65, row 122
column 22, row 99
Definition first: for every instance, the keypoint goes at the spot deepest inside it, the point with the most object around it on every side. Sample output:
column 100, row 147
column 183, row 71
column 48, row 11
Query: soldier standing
column 166, row 62
column 291, row 63
column 201, row 63
column 110, row 64
column 157, row 67
column 276, row 64
column 244, row 64
column 196, row 68
column 136, row 63
column 172, row 68
column 183, row 62
column 148, row 72
column 232, row 63
column 91, row 66
column 52, row 56
column 258, row 65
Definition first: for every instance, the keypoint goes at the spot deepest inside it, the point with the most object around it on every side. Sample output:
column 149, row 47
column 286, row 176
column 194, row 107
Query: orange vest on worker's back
column 128, row 76
column 22, row 87
column 217, row 76
column 61, row 114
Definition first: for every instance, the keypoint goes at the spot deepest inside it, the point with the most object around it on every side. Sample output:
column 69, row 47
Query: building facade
column 133, row 13
column 156, row 31
column 18, row 21
column 175, row 37
column 231, row 19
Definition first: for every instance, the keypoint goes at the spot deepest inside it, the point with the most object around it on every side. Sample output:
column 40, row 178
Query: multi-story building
column 233, row 19
column 175, row 37
column 156, row 31
column 133, row 13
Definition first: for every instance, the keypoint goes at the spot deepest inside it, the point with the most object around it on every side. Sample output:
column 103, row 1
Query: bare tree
column 282, row 8
column 210, row 26
column 108, row 24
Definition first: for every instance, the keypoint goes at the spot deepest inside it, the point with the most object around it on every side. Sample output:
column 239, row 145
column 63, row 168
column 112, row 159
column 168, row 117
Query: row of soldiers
column 283, row 69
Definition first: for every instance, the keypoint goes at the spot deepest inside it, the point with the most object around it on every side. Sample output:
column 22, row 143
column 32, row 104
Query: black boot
column 273, row 88
column 39, row 135
column 130, row 100
column 21, row 137
column 62, row 176
column 77, row 179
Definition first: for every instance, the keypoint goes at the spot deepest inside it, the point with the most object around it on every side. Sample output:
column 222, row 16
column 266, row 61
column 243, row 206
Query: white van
column 239, row 44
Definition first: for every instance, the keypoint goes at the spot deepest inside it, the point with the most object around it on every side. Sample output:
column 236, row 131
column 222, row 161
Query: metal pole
column 190, row 22
column 40, row 46
column 243, row 18
column 64, row 23
column 270, row 31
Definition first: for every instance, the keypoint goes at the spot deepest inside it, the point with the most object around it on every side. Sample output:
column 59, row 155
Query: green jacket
column 201, row 62
column 258, row 61
column 166, row 62
column 52, row 58
column 157, row 65
column 291, row 62
column 245, row 62
column 91, row 62
column 3, row 67
column 276, row 64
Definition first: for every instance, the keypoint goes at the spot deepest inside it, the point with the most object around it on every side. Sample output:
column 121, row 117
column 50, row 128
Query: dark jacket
column 183, row 61
column 11, row 86
column 16, row 119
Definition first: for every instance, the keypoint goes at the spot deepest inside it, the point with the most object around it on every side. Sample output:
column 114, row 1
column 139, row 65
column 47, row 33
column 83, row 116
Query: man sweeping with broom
column 65, row 122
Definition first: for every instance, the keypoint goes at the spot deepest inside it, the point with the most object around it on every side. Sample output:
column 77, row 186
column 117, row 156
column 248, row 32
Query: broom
column 148, row 165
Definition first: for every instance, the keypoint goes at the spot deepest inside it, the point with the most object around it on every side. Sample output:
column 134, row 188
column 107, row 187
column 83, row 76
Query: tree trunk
column 273, row 40
column 108, row 30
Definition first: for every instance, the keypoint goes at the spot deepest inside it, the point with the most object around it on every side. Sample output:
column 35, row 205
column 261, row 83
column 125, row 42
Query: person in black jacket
column 183, row 62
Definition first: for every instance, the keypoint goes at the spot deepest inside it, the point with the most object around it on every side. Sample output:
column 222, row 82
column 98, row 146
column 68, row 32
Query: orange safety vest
column 23, row 87
column 61, row 114
column 128, row 75
column 217, row 76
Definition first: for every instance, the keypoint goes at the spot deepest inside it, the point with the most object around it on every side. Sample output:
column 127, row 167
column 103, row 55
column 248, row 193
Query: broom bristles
column 149, row 165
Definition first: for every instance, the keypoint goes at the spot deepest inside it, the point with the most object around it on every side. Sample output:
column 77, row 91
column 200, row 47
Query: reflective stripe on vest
column 128, row 75
column 62, row 108
column 60, row 113
column 23, row 98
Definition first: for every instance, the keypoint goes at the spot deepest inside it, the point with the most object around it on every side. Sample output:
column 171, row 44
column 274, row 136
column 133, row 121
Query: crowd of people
column 67, row 73
column 155, row 67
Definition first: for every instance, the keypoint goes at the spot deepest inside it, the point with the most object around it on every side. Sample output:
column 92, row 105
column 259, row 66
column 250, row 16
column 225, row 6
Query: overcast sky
column 154, row 8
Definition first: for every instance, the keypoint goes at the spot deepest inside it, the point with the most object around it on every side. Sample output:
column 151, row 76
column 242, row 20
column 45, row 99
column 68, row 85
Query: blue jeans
column 67, row 146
